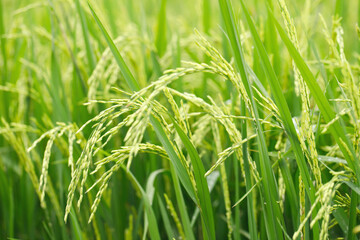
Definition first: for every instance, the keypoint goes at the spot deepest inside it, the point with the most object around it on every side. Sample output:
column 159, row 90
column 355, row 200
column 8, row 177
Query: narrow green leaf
column 211, row 179
column 271, row 41
column 4, row 67
column 206, row 15
column 57, row 92
column 165, row 218
column 182, row 206
column 76, row 229
column 153, row 227
column 353, row 215
column 89, row 51
column 339, row 8
column 204, row 203
column 3, row 46
column 342, row 219
column 161, row 38
column 179, row 168
column 248, row 182
column 291, row 192
column 150, row 191
column 150, row 188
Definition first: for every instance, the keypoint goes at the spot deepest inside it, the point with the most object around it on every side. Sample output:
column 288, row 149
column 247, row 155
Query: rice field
column 192, row 119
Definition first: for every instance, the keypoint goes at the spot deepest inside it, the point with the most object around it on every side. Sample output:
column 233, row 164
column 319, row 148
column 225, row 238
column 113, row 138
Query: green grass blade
column 182, row 206
column 75, row 226
column 150, row 188
column 7, row 206
column 179, row 168
column 204, row 203
column 339, row 8
column 153, row 227
column 206, row 15
column 291, row 192
column 3, row 70
column 353, row 216
column 271, row 41
column 206, row 23
column 248, row 182
column 161, row 38
column 150, row 191
column 130, row 11
column 89, row 51
column 211, row 179
column 57, row 91
column 165, row 218
column 342, row 219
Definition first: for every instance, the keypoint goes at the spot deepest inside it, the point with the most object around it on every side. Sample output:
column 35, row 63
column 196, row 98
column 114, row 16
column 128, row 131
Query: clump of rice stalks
column 136, row 111
column 224, row 180
column 306, row 134
column 202, row 138
column 349, row 87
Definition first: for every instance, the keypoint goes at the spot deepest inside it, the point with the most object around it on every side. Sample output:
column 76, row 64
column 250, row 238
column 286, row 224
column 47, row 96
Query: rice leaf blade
column 204, row 203
column 89, row 50
column 181, row 205
column 153, row 227
column 161, row 38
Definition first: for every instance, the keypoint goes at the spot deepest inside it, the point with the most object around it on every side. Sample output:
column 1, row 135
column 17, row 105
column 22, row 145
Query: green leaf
column 166, row 219
column 75, row 226
column 291, row 192
column 161, row 40
column 353, row 215
column 248, row 177
column 182, row 206
column 203, row 193
column 3, row 70
column 153, row 227
column 150, row 191
column 89, row 51
column 211, row 179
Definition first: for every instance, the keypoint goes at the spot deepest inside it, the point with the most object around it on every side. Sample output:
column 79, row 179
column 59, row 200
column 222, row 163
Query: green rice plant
column 179, row 119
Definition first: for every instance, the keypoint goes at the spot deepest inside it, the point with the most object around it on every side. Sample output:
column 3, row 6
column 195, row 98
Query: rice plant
column 156, row 119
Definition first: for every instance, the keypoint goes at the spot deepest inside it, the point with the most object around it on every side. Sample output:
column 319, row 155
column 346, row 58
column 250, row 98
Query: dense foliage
column 205, row 119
